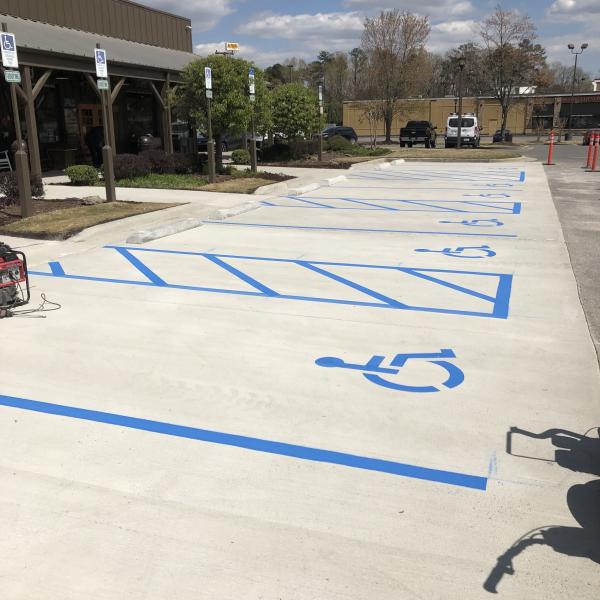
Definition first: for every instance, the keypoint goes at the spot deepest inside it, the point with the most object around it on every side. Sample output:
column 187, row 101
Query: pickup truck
column 418, row 132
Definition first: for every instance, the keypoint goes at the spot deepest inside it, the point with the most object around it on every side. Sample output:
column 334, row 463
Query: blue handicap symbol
column 8, row 42
column 460, row 251
column 373, row 370
column 478, row 222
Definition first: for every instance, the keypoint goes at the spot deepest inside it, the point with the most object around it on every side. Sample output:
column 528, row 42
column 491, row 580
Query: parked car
column 587, row 136
column 502, row 135
column 345, row 132
column 470, row 134
column 418, row 132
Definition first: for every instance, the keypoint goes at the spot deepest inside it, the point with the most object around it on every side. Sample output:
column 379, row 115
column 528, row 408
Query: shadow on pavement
column 575, row 452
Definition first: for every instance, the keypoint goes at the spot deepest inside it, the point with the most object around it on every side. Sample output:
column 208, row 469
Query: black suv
column 345, row 132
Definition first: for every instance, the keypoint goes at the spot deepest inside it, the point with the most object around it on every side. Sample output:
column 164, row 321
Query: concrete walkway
column 369, row 390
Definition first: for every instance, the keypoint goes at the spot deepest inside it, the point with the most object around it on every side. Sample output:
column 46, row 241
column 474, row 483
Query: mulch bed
column 10, row 214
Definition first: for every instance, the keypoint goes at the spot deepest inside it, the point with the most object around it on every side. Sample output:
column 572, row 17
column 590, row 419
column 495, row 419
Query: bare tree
column 373, row 111
column 394, row 42
column 560, row 79
column 511, row 59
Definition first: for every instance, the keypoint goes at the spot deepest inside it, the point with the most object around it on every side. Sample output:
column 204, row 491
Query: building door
column 90, row 115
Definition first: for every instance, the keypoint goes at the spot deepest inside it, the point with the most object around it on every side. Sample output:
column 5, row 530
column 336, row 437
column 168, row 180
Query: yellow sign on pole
column 232, row 47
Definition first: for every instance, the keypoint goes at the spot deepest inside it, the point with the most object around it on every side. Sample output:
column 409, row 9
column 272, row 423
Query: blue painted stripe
column 352, row 284
column 56, row 268
column 141, row 267
column 250, row 443
column 522, row 176
column 357, row 229
column 241, row 275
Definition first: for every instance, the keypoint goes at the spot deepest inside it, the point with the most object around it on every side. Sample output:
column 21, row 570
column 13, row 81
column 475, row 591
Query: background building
column 528, row 114
column 147, row 49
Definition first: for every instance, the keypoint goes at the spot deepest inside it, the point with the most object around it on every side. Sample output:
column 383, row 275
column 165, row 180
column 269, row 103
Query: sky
column 271, row 31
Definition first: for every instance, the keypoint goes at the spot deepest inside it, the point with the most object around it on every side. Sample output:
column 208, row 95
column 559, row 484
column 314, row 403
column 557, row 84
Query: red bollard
column 551, row 148
column 596, row 144
column 588, row 164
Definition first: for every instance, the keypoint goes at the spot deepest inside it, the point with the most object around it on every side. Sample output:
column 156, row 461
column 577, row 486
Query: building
column 59, row 101
column 596, row 85
column 528, row 114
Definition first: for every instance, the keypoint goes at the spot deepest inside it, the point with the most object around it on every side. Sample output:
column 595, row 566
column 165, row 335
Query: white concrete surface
column 101, row 511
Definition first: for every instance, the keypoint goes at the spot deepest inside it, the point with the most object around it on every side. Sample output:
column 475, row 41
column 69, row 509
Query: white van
column 469, row 134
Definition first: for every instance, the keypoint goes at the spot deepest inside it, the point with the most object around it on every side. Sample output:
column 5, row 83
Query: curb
column 272, row 189
column 310, row 187
column 333, row 180
column 147, row 235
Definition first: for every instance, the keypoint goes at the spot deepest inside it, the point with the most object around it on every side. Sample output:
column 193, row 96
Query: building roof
column 41, row 37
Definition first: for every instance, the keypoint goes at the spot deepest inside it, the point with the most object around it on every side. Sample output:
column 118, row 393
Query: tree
column 294, row 111
column 560, row 79
column 336, row 80
column 231, row 106
column 276, row 74
column 511, row 59
column 358, row 60
column 394, row 41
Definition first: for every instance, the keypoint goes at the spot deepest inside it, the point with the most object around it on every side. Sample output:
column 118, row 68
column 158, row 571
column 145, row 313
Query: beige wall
column 437, row 111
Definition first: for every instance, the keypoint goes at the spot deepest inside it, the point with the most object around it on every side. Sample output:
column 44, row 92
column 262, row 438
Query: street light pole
column 571, row 47
column 461, row 67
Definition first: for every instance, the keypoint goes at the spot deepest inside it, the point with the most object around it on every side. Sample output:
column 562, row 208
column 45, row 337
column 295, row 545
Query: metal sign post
column 252, row 89
column 210, row 143
column 320, row 123
column 107, row 153
column 10, row 60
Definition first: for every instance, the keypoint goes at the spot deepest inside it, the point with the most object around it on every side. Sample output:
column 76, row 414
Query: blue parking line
column 358, row 229
column 250, row 443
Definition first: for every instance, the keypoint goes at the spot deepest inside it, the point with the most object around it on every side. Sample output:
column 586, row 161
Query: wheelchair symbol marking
column 459, row 252
column 478, row 222
column 373, row 370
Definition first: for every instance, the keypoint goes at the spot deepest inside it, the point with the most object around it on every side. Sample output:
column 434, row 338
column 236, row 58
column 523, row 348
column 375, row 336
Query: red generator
column 14, row 283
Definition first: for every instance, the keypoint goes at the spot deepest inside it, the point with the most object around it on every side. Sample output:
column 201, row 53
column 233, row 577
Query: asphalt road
column 383, row 388
column 576, row 195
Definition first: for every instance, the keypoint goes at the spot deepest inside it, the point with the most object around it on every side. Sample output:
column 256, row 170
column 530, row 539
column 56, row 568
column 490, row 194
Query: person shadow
column 579, row 453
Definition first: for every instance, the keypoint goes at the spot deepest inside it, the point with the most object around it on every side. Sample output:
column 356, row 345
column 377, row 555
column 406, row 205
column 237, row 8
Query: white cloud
column 451, row 34
column 205, row 14
column 263, row 58
column 436, row 9
column 323, row 29
column 577, row 10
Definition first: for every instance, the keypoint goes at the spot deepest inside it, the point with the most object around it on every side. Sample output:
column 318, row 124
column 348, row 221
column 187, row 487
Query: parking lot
column 311, row 400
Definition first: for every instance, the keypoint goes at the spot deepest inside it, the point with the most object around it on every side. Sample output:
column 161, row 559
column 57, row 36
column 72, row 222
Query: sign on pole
column 102, row 84
column 208, row 77
column 12, row 76
column 232, row 46
column 101, row 66
column 10, row 59
column 320, row 93
column 251, row 86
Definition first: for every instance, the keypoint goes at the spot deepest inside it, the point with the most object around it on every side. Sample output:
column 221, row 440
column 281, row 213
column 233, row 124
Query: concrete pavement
column 311, row 400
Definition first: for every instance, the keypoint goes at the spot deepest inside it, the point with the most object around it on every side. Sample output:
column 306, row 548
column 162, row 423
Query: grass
column 166, row 181
column 63, row 223
column 452, row 154
column 238, row 185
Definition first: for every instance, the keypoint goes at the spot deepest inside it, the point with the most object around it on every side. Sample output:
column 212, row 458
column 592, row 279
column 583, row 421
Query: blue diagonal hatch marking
column 241, row 275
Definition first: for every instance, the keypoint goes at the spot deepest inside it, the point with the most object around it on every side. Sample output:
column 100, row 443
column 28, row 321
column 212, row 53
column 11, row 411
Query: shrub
column 300, row 149
column 337, row 143
column 184, row 164
column 9, row 188
column 275, row 152
column 82, row 175
column 160, row 161
column 131, row 165
column 240, row 157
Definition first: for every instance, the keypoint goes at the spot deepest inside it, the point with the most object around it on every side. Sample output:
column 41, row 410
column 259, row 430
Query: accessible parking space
column 347, row 393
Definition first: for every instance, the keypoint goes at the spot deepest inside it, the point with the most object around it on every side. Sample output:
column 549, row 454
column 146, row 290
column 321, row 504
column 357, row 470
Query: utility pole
column 107, row 152
column 252, row 90
column 571, row 47
column 210, row 143
column 13, row 76
column 461, row 68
